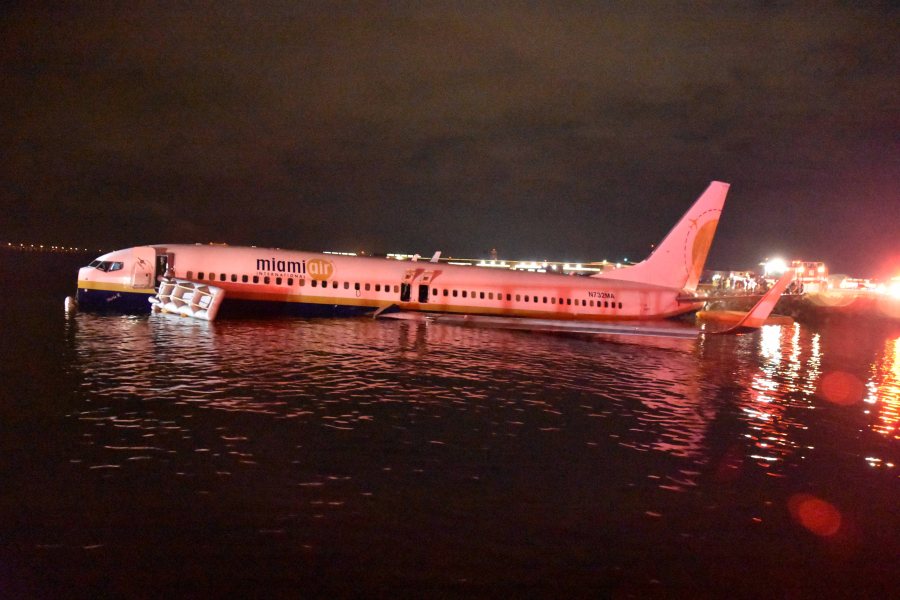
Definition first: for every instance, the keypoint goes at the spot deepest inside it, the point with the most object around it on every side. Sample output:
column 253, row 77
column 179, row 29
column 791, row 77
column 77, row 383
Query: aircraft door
column 143, row 267
column 164, row 264
column 406, row 284
column 425, row 284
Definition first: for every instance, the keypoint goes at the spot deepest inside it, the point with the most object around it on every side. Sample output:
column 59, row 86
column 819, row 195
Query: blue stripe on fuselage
column 109, row 301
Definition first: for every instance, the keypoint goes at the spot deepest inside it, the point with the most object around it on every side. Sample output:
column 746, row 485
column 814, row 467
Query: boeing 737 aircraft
column 274, row 281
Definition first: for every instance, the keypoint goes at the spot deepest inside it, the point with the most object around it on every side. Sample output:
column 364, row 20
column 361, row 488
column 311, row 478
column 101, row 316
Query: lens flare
column 815, row 514
column 839, row 387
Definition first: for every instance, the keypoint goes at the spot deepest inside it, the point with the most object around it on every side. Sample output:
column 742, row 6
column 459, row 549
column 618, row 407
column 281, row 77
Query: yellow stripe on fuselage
column 107, row 286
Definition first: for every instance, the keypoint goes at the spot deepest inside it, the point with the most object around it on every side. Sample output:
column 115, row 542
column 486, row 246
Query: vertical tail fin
column 678, row 260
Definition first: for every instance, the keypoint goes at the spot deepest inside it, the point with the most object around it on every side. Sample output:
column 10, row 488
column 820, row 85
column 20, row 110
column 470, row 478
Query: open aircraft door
column 425, row 284
column 142, row 267
column 406, row 284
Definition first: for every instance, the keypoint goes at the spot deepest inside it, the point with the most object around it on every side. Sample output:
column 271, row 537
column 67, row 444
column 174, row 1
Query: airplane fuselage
column 266, row 280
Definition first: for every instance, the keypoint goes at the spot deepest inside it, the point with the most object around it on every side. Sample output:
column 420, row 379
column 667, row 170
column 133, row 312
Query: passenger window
column 377, row 287
column 535, row 298
column 620, row 305
column 584, row 303
column 368, row 287
column 464, row 293
column 244, row 278
column 526, row 298
column 200, row 275
column 490, row 295
column 346, row 285
column 569, row 301
column 481, row 295
column 396, row 289
column 278, row 281
column 518, row 297
column 223, row 277
column 545, row 299
column 356, row 286
column 509, row 297
column 301, row 282
column 592, row 303
column 233, row 278
column 552, row 300
column 334, row 284
column 446, row 292
column 189, row 274
column 266, row 280
column 454, row 293
column 434, row 292
column 315, row 283
column 290, row 281
column 256, row 279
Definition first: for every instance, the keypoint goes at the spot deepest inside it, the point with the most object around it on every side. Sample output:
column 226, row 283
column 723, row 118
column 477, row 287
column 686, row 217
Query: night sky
column 568, row 131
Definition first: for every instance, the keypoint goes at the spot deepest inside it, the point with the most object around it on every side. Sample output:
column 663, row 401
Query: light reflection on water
column 166, row 457
column 145, row 384
column 408, row 453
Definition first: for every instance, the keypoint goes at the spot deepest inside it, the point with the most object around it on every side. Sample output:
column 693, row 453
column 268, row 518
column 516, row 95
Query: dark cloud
column 568, row 131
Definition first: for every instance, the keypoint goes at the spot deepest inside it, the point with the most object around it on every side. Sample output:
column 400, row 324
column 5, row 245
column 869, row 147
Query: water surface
column 148, row 456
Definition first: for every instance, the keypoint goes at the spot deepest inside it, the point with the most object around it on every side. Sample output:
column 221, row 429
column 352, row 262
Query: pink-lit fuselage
column 266, row 275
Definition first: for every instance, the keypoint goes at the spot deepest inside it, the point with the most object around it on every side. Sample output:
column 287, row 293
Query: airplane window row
column 525, row 298
column 289, row 281
column 396, row 289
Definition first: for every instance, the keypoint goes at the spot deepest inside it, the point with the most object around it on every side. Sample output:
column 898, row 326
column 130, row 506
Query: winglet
column 757, row 316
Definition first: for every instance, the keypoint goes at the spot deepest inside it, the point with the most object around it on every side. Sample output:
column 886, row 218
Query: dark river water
column 165, row 457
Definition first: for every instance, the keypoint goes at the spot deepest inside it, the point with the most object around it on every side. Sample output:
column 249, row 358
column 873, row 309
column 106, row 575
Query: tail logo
column 700, row 248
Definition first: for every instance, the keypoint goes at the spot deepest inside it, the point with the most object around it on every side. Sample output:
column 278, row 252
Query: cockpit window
column 107, row 265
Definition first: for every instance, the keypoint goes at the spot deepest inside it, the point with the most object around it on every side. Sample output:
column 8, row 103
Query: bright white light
column 776, row 266
column 894, row 289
